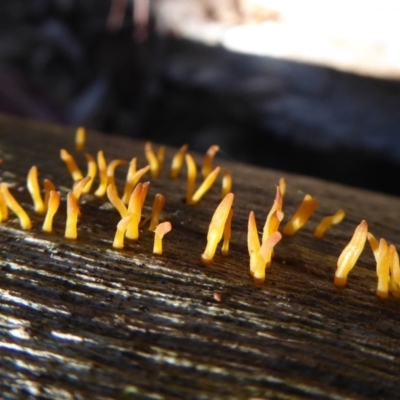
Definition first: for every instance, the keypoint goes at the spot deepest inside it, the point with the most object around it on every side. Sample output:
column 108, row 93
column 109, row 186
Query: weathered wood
column 81, row 320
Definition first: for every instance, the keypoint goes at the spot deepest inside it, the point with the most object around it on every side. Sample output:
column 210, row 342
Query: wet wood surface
column 80, row 320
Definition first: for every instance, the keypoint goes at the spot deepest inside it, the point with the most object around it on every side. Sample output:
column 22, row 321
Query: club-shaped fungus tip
column 350, row 254
column 15, row 207
column 52, row 207
column 34, row 190
column 159, row 233
column 71, row 230
column 216, row 228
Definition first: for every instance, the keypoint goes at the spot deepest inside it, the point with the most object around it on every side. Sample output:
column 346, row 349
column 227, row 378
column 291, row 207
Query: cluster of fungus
column 130, row 203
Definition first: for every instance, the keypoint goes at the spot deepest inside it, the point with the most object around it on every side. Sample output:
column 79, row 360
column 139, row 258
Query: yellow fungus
column 161, row 157
column 71, row 165
column 374, row 245
column 327, row 222
column 208, row 160
column 382, row 270
column 48, row 187
column 264, row 257
column 152, row 160
column 177, row 161
column 131, row 181
column 191, row 177
column 120, row 232
column 91, row 171
column 116, row 201
column 52, row 207
column 226, row 183
column 301, row 216
column 227, row 234
column 145, row 189
column 350, row 254
column 135, row 211
column 394, row 268
column 282, row 185
column 3, row 209
column 80, row 138
column 275, row 216
column 111, row 171
column 159, row 233
column 15, row 207
column 253, row 241
column 79, row 186
column 102, row 167
column 34, row 190
column 71, row 230
column 158, row 205
column 205, row 186
column 216, row 228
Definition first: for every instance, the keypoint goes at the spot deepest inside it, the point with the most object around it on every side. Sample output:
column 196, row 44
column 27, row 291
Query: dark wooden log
column 81, row 320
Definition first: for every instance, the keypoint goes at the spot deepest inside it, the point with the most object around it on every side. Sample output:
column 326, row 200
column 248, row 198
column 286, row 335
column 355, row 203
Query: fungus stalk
column 15, row 207
column 177, row 161
column 48, row 187
column 301, row 216
column 226, row 183
column 34, row 190
column 91, row 171
column 102, row 168
column 118, row 242
column 350, row 254
column 191, row 177
column 327, row 222
column 152, row 160
column 71, row 230
column 3, row 208
column 382, row 270
column 132, row 179
column 208, row 160
column 71, row 165
column 80, row 138
column 52, row 207
column 159, row 233
column 135, row 211
column 253, row 242
column 216, row 228
column 227, row 234
column 205, row 186
column 111, row 171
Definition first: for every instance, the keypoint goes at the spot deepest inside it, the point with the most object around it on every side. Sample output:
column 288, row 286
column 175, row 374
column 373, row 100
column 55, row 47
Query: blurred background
column 304, row 86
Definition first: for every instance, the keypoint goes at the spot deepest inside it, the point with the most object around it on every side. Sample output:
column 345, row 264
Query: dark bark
column 81, row 320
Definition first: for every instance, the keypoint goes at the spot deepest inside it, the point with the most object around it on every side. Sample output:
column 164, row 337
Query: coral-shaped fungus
column 327, row 222
column 301, row 216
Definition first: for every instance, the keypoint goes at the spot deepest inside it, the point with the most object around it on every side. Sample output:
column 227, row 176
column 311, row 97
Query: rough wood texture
column 81, row 320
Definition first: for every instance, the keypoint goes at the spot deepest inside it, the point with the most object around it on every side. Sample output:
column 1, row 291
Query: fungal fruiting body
column 132, row 179
column 177, row 161
column 205, row 186
column 216, row 228
column 102, row 168
column 208, row 160
column 282, row 185
column 227, row 234
column 350, row 254
column 79, row 186
column 116, row 201
column 253, row 242
column 71, row 229
column 394, row 269
column 301, row 216
column 15, row 207
column 80, row 138
column 327, row 222
column 159, row 233
column 52, row 207
column 135, row 211
column 91, row 171
column 71, row 165
column 154, row 217
column 226, row 183
column 382, row 270
column 191, row 177
column 161, row 157
column 120, row 232
column 3, row 208
column 111, row 171
column 34, row 190
column 264, row 257
column 48, row 187
column 152, row 160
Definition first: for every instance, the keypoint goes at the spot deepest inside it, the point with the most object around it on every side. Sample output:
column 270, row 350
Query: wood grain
column 79, row 320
